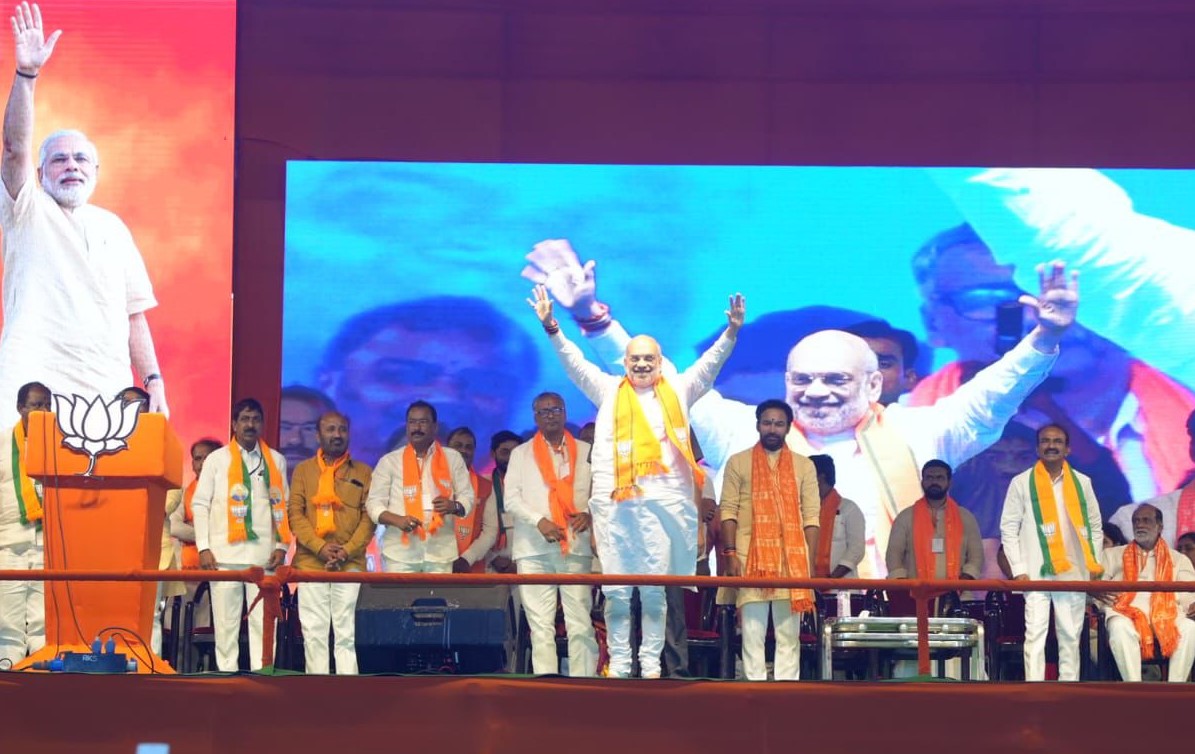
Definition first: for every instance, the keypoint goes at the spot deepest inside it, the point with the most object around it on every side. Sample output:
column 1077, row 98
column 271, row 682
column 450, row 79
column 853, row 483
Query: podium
column 110, row 520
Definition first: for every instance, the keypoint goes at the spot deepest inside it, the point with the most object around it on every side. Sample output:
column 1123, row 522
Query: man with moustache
column 1134, row 619
column 834, row 385
column 502, row 444
column 936, row 538
column 22, row 603
column 240, row 522
column 547, row 494
column 1050, row 529
column 75, row 286
column 645, row 477
column 418, row 491
column 770, row 507
column 332, row 530
column 476, row 533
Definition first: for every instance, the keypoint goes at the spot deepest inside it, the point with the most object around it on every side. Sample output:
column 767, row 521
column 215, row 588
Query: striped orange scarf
column 561, row 501
column 637, row 451
column 923, row 535
column 825, row 537
column 412, row 487
column 28, row 500
column 1049, row 528
column 894, row 470
column 777, row 533
column 240, row 496
column 325, row 500
column 1163, row 607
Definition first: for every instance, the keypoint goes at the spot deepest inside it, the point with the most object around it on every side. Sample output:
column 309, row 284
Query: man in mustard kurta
column 770, row 506
column 327, row 514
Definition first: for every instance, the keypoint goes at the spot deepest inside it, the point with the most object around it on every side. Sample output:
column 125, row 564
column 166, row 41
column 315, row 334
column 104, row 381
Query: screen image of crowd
column 820, row 440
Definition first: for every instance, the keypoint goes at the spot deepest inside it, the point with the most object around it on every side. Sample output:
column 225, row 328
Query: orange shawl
column 190, row 554
column 325, row 500
column 412, row 487
column 825, row 538
column 777, row 534
column 637, row 452
column 894, row 470
column 468, row 528
column 560, row 489
column 1163, row 608
column 923, row 535
column 240, row 496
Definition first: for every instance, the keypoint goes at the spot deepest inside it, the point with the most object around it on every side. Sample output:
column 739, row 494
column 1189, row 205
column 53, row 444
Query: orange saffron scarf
column 412, row 488
column 777, row 534
column 637, row 451
column 240, row 496
column 894, row 470
column 923, row 536
column 1163, row 608
column 190, row 554
column 829, row 514
column 468, row 528
column 326, row 501
column 561, row 501
column 28, row 501
column 1049, row 528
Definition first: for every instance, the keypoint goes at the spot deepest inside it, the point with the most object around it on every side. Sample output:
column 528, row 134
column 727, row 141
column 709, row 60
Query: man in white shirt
column 645, row 477
column 418, row 490
column 834, row 384
column 547, row 495
column 240, row 522
column 1134, row 619
column 839, row 554
column 75, row 286
column 22, row 603
column 1051, row 529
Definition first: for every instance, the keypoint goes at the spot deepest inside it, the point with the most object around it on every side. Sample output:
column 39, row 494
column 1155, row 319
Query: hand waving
column 554, row 265
column 542, row 305
column 736, row 314
column 31, row 48
column 1058, row 301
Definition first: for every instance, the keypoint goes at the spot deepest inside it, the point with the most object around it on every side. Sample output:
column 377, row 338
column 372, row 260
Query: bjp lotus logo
column 95, row 427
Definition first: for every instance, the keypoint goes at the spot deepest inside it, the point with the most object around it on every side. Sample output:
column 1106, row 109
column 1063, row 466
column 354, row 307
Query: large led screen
column 150, row 84
column 409, row 281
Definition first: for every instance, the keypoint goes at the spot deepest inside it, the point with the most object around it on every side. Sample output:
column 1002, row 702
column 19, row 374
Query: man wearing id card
column 417, row 492
column 936, row 538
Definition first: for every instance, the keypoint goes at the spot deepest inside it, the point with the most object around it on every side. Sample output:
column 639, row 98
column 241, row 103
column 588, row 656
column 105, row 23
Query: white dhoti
column 644, row 537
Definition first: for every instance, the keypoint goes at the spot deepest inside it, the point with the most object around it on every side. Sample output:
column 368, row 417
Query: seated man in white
column 1134, row 619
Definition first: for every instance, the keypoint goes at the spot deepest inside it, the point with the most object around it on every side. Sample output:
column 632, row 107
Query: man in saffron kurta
column 326, row 511
column 240, row 522
column 22, row 603
column 1134, row 619
column 1051, row 529
column 418, row 491
column 936, row 538
column 645, row 478
column 547, row 494
column 770, row 506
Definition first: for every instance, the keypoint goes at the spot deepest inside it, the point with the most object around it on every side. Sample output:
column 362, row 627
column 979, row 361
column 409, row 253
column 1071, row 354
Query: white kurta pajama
column 210, row 505
column 1022, row 547
column 1122, row 634
column 527, row 502
column 438, row 551
column 654, row 533
column 71, row 282
column 22, row 603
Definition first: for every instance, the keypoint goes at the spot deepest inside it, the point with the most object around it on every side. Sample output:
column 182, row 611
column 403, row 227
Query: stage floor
column 257, row 713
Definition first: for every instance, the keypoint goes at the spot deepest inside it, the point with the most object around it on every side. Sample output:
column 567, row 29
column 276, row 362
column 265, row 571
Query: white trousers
column 228, row 605
column 426, row 566
column 22, row 606
column 539, row 604
column 787, row 664
column 1070, row 612
column 653, row 605
column 1126, row 648
column 323, row 607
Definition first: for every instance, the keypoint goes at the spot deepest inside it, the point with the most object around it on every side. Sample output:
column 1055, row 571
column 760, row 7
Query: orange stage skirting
column 256, row 714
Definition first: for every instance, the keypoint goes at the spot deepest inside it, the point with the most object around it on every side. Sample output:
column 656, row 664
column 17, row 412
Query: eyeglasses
column 978, row 304
column 552, row 411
